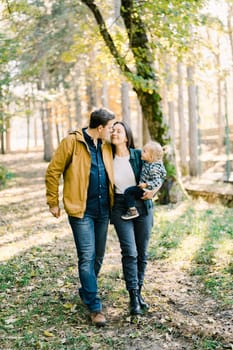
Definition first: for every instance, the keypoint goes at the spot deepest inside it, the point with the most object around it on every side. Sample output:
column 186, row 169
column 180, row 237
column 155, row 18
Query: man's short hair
column 100, row 116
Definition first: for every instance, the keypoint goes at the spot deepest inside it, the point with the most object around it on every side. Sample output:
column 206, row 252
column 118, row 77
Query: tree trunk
column 150, row 104
column 171, row 114
column 2, row 125
column 8, row 129
column 76, row 93
column 57, row 124
column 2, row 133
column 104, row 94
column 28, row 114
column 193, row 135
column 125, row 102
column 35, row 131
column 47, row 131
column 78, row 107
column 220, row 117
column 146, row 132
column 182, row 123
column 140, row 127
column 91, row 85
column 68, row 104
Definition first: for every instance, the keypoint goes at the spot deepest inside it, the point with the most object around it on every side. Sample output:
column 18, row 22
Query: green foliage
column 171, row 169
column 44, row 33
column 171, row 22
column 209, row 344
column 4, row 176
column 8, row 49
column 168, row 235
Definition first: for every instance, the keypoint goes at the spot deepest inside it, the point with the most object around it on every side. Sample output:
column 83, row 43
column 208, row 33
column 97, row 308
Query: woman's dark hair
column 128, row 132
column 100, row 116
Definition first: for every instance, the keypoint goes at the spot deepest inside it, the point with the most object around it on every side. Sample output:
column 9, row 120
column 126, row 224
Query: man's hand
column 55, row 212
column 142, row 185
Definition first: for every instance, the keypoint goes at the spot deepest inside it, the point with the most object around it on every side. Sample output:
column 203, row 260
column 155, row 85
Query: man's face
column 105, row 132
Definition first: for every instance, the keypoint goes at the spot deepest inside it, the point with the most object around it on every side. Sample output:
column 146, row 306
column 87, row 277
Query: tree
column 193, row 135
column 182, row 123
column 43, row 30
column 8, row 47
column 142, row 75
column 144, row 79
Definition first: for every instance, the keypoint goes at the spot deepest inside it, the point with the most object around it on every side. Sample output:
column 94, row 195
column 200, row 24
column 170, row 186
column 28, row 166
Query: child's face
column 146, row 154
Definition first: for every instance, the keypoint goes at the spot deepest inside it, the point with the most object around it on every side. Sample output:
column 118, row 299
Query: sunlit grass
column 223, row 254
column 187, row 249
column 199, row 238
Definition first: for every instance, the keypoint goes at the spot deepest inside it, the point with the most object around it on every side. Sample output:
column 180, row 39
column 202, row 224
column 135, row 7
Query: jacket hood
column 78, row 134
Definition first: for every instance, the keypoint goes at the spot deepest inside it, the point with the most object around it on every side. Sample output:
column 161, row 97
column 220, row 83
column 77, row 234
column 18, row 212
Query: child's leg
column 132, row 193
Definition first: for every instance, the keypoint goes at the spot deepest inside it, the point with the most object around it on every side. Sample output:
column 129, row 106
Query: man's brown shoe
column 98, row 319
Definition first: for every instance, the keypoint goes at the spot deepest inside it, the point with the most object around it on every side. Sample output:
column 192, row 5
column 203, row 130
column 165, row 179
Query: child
column 152, row 175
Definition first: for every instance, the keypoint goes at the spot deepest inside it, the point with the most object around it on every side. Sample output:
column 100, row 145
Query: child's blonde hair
column 155, row 149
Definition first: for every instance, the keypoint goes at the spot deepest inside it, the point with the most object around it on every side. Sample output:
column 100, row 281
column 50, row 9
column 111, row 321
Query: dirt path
column 177, row 304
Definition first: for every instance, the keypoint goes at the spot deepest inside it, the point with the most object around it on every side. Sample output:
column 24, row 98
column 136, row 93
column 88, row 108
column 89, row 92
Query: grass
column 40, row 308
column 202, row 237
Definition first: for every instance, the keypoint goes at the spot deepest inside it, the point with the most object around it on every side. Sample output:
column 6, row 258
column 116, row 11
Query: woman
column 133, row 234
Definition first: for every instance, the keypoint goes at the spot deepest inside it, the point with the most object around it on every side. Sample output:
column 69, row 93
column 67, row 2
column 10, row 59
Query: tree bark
column 104, row 94
column 125, row 102
column 47, row 131
column 193, row 136
column 182, row 123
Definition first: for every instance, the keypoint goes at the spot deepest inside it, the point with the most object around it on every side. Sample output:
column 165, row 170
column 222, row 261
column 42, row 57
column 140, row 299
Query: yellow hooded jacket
column 72, row 159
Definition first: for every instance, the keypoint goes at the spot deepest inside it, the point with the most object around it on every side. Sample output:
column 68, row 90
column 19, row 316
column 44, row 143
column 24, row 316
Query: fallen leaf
column 48, row 334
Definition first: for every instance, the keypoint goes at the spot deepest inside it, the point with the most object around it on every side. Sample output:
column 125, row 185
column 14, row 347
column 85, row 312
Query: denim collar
column 88, row 138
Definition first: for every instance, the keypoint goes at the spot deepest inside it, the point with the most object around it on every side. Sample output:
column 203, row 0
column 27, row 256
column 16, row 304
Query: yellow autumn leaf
column 68, row 306
column 33, row 273
column 48, row 334
column 68, row 285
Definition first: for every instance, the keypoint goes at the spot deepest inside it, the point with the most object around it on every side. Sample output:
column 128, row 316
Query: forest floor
column 188, row 281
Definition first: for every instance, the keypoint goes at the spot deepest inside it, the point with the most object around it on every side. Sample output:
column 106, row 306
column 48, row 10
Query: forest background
column 168, row 74
column 165, row 67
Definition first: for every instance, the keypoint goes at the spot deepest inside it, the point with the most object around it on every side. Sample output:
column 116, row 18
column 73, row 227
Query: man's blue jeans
column 90, row 239
column 134, row 239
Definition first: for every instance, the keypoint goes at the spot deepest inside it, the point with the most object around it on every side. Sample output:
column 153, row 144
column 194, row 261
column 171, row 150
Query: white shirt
column 123, row 174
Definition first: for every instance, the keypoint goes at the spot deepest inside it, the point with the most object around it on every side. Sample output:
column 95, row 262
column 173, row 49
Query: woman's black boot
column 135, row 308
column 142, row 302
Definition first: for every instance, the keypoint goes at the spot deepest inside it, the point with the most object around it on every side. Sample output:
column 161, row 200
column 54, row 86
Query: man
column 84, row 158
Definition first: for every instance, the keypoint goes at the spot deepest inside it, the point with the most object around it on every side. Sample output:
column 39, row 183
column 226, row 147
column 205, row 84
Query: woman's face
column 118, row 135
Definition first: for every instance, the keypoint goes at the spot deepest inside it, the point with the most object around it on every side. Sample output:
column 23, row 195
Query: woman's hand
column 150, row 194
column 147, row 195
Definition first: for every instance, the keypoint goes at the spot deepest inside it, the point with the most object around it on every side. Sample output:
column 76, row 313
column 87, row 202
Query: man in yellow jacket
column 84, row 158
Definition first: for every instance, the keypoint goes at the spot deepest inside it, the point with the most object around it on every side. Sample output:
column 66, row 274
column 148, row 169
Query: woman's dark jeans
column 90, row 239
column 134, row 237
